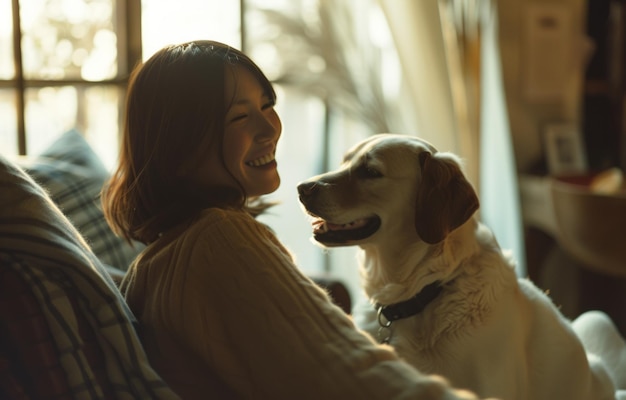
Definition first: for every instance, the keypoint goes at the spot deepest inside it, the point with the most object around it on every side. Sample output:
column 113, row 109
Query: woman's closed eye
column 244, row 109
column 241, row 117
column 238, row 117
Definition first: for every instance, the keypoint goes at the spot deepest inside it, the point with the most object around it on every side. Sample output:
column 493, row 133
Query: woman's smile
column 262, row 161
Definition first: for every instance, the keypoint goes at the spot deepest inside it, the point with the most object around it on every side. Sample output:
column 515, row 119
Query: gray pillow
column 73, row 175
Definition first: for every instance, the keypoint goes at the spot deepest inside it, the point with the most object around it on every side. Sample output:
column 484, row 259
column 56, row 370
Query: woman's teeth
column 261, row 161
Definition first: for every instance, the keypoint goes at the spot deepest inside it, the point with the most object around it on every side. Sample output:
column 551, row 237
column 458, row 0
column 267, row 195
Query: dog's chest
column 413, row 343
column 420, row 348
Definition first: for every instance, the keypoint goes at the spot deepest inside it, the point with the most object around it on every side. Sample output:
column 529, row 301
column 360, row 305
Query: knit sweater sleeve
column 270, row 332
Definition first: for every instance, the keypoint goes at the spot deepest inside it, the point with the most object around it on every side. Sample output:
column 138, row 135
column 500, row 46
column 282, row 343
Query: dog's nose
column 307, row 188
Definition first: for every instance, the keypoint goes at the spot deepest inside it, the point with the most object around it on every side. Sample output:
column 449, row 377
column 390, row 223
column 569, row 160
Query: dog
column 442, row 292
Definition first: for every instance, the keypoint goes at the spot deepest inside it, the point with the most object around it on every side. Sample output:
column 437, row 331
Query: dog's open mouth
column 330, row 233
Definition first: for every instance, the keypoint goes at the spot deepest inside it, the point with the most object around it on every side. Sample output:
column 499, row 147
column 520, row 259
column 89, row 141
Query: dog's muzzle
column 326, row 231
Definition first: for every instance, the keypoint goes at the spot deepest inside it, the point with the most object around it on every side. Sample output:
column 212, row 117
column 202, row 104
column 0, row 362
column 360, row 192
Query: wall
column 529, row 113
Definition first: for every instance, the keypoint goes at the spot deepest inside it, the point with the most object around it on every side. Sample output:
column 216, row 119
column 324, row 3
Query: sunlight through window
column 169, row 22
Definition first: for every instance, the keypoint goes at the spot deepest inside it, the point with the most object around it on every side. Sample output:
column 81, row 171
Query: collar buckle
column 405, row 309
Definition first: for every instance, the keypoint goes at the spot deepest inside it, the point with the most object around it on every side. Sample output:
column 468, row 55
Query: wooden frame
column 565, row 154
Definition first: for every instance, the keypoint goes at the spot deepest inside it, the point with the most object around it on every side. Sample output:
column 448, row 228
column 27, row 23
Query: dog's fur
column 411, row 210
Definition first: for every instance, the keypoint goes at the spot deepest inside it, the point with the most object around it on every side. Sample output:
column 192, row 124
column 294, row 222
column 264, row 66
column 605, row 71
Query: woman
column 223, row 308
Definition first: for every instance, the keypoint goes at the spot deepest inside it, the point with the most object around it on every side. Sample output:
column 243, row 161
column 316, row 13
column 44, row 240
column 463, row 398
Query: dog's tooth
column 320, row 226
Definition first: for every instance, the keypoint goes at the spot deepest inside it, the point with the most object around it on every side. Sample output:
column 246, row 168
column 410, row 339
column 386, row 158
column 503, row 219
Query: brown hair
column 175, row 112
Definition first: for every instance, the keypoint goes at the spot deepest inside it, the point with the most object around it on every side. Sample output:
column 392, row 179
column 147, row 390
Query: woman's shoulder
column 209, row 220
column 216, row 229
column 221, row 220
column 217, row 216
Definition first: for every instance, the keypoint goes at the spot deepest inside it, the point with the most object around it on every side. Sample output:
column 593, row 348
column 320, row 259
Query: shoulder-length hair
column 175, row 114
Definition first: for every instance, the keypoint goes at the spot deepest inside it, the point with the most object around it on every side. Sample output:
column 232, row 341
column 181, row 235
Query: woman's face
column 252, row 128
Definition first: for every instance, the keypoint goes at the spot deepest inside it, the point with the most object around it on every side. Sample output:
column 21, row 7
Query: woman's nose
column 270, row 127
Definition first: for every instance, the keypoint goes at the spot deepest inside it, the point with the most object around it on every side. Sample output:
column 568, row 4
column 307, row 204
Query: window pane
column 8, row 123
column 172, row 22
column 102, row 124
column 94, row 111
column 71, row 39
column 7, row 70
column 49, row 113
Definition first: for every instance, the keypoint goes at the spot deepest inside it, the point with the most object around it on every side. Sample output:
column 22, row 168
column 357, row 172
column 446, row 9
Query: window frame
column 127, row 22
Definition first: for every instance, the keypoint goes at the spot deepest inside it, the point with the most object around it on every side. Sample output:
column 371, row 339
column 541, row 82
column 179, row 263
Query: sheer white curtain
column 501, row 208
column 450, row 58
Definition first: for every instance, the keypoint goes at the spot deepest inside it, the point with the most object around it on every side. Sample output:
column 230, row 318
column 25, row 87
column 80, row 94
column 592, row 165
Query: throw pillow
column 73, row 175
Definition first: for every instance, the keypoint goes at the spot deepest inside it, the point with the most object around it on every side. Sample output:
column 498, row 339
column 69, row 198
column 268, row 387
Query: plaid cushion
column 73, row 175
column 65, row 329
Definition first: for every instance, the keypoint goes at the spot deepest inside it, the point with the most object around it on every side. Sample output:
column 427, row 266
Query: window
column 65, row 64
column 70, row 65
column 67, row 71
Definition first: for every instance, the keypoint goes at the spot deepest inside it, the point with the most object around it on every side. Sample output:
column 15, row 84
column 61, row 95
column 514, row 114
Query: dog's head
column 389, row 185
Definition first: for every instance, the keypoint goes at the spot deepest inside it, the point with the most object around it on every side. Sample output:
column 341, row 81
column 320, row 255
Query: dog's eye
column 368, row 172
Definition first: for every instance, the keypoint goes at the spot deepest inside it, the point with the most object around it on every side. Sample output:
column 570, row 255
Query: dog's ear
column 445, row 199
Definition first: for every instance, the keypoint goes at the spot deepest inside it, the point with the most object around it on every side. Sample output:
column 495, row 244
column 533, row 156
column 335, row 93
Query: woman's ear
column 445, row 199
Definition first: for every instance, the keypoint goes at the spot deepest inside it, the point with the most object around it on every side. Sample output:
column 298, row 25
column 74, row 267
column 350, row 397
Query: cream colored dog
column 442, row 292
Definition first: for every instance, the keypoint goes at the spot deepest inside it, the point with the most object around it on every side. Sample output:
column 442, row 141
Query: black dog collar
column 412, row 306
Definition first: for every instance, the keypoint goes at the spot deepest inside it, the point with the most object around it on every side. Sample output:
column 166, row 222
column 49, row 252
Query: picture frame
column 565, row 153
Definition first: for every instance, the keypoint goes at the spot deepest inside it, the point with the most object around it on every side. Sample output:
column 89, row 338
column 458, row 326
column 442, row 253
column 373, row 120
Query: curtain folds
column 500, row 198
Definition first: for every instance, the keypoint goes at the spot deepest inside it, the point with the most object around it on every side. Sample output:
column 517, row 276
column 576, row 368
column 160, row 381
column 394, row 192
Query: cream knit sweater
column 226, row 314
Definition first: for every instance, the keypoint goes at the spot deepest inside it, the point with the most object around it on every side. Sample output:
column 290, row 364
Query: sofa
column 65, row 331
